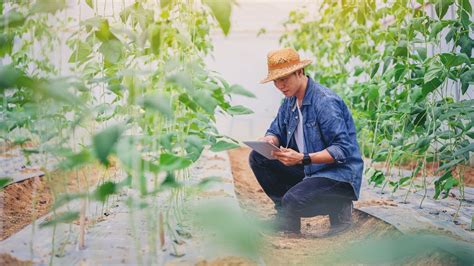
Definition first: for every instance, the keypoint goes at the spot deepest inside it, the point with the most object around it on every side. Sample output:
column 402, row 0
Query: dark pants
column 294, row 197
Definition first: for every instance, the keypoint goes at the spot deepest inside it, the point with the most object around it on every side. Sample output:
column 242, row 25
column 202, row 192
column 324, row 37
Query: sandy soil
column 310, row 247
column 227, row 261
column 23, row 202
column 9, row 260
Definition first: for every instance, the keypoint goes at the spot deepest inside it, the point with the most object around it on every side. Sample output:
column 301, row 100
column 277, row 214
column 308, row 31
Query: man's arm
column 291, row 157
column 334, row 130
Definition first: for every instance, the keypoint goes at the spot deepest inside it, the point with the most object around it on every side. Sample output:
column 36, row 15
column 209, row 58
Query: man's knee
column 256, row 159
column 291, row 203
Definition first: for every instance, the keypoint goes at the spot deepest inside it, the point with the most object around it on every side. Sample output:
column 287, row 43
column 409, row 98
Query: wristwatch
column 306, row 159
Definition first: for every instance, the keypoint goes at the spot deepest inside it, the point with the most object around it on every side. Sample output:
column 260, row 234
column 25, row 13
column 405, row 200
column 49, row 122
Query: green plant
column 388, row 62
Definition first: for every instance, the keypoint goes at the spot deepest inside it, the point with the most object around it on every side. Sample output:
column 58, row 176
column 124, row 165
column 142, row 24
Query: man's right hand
column 270, row 139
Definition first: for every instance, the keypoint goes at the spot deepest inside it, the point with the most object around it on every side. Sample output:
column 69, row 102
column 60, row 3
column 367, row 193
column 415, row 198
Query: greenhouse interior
column 236, row 132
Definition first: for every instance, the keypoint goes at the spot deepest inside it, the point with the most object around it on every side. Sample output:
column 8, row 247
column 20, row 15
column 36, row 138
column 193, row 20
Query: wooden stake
column 162, row 231
column 82, row 224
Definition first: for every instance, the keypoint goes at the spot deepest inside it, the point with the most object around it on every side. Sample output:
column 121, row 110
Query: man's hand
column 270, row 139
column 288, row 157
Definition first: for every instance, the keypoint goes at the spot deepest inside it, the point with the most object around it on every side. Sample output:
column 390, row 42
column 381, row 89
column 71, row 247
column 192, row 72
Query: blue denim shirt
column 327, row 124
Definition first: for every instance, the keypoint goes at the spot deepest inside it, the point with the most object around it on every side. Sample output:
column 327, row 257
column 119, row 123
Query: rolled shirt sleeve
column 334, row 129
column 278, row 127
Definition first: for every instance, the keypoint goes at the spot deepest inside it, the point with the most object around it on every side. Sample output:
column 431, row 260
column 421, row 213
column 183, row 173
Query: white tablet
column 263, row 147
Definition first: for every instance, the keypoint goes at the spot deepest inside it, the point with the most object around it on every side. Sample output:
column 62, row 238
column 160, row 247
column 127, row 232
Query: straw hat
column 283, row 62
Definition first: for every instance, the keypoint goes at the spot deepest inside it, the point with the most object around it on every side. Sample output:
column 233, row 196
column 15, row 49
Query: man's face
column 288, row 85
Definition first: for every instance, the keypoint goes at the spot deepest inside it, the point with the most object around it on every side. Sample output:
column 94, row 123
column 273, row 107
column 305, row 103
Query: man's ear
column 299, row 72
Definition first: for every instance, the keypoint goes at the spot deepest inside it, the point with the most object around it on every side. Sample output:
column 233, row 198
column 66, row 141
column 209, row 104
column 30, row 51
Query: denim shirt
column 327, row 124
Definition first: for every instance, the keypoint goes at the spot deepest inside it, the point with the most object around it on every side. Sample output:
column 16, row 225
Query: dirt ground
column 311, row 247
column 7, row 259
column 23, row 202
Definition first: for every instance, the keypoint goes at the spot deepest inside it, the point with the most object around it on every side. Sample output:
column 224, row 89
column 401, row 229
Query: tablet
column 263, row 147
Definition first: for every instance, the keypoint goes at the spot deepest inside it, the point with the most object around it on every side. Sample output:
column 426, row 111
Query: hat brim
column 279, row 73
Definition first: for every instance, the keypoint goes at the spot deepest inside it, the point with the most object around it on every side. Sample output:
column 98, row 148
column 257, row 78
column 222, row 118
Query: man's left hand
column 288, row 157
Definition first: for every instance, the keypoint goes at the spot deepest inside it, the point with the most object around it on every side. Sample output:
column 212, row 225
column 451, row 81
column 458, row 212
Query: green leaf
column 104, row 190
column 170, row 182
column 105, row 141
column 400, row 71
column 435, row 70
column 4, row 181
column 450, row 34
column 239, row 110
column 205, row 100
column 76, row 160
column 103, row 32
column 441, row 7
column 374, row 70
column 11, row 19
column 183, row 80
column 466, row 6
column 373, row 93
column 438, row 27
column 221, row 9
column 470, row 134
column 10, row 77
column 90, row 3
column 65, row 217
column 466, row 79
column 401, row 50
column 155, row 38
column 6, row 44
column 164, row 3
column 184, row 98
column 451, row 59
column 222, row 145
column 68, row 197
column 465, row 12
column 48, row 6
column 128, row 154
column 171, row 162
column 208, row 181
column 421, row 51
column 158, row 102
column 111, row 50
column 81, row 53
column 422, row 144
column 58, row 89
column 375, row 176
column 237, row 89
column 194, row 147
column 444, row 183
column 449, row 165
column 466, row 43
column 431, row 86
column 465, row 150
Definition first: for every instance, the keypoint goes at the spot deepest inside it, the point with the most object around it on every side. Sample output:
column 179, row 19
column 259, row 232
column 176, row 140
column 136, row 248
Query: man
column 319, row 168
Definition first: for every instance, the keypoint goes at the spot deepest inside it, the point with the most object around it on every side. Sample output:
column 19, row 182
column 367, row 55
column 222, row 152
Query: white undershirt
column 299, row 137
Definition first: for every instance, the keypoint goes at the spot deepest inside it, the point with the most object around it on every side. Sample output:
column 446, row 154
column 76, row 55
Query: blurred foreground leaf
column 239, row 110
column 171, row 162
column 104, row 190
column 105, row 141
column 65, row 217
column 406, row 248
column 4, row 181
column 232, row 230
column 223, row 145
column 221, row 10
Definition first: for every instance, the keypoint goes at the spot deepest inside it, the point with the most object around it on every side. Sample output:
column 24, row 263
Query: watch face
column 306, row 159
